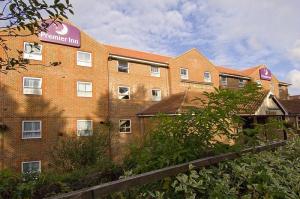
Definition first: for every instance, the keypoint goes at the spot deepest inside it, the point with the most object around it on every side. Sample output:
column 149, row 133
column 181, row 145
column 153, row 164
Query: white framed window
column 31, row 167
column 125, row 126
column 84, row 59
column 84, row 127
column 184, row 73
column 84, row 89
column 298, row 122
column 241, row 83
column 155, row 71
column 31, row 129
column 123, row 66
column 258, row 82
column 124, row 92
column 156, row 94
column 32, row 51
column 224, row 80
column 207, row 77
column 32, row 86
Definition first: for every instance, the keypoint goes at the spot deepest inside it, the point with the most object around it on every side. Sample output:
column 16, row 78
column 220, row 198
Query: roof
column 130, row 53
column 175, row 104
column 254, row 105
column 249, row 71
column 284, row 83
column 292, row 106
column 230, row 71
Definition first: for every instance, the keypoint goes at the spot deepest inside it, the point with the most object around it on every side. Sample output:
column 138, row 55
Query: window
column 184, row 73
column 84, row 89
column 124, row 92
column 32, row 86
column 31, row 129
column 207, row 77
column 125, row 126
column 223, row 80
column 84, row 59
column 258, row 82
column 32, row 51
column 84, row 127
column 241, row 83
column 31, row 167
column 123, row 66
column 156, row 94
column 298, row 122
column 155, row 71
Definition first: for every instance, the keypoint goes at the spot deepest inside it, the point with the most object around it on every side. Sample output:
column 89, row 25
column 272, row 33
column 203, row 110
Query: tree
column 21, row 18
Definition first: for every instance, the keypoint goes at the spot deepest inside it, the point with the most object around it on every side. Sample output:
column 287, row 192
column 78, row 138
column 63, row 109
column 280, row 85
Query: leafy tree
column 21, row 18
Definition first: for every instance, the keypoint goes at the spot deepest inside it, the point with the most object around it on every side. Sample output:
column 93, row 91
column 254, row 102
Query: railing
column 152, row 176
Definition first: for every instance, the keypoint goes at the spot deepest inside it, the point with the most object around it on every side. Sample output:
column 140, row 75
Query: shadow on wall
column 13, row 111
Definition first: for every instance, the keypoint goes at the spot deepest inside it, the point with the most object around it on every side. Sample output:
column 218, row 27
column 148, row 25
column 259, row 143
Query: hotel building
column 97, row 83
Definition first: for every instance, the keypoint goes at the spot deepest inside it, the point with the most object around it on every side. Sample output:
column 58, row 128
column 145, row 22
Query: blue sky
column 233, row 33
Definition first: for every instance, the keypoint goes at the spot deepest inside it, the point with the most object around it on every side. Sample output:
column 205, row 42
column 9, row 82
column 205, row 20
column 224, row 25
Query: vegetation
column 31, row 17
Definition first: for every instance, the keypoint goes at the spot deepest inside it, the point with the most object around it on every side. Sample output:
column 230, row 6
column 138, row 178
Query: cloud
column 294, row 78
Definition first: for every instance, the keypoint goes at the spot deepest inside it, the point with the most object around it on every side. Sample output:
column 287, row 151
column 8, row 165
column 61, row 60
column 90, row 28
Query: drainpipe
column 108, row 109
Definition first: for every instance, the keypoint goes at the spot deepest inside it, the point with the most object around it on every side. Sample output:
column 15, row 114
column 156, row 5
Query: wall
column 232, row 82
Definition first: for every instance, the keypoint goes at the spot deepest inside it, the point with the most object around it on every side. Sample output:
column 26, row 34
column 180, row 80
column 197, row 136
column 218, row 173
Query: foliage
column 21, row 18
column 264, row 175
column 77, row 153
column 193, row 134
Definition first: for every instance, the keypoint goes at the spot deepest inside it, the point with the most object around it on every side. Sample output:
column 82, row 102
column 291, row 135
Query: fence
column 152, row 176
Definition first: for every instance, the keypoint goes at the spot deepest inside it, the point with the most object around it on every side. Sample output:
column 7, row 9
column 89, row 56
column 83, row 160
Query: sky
column 233, row 33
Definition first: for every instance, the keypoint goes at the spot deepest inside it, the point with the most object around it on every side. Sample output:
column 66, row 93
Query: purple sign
column 63, row 33
column 265, row 74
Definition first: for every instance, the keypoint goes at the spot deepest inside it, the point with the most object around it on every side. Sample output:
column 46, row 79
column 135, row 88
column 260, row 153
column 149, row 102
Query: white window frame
column 119, row 65
column 25, row 138
column 241, row 83
column 156, row 99
column 155, row 74
column 30, row 90
column 259, row 83
column 26, row 162
column 207, row 80
column 92, row 131
column 184, row 76
column 38, row 57
column 224, row 83
column 84, row 63
column 119, row 94
column 130, row 126
column 84, row 93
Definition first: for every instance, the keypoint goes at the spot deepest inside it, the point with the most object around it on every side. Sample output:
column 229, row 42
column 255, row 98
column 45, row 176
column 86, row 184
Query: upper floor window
column 223, row 80
column 241, row 83
column 156, row 95
column 123, row 66
column 31, row 129
column 123, row 92
column 258, row 82
column 84, row 89
column 207, row 77
column 155, row 71
column 184, row 73
column 31, row 167
column 32, row 51
column 125, row 126
column 84, row 59
column 32, row 86
column 84, row 127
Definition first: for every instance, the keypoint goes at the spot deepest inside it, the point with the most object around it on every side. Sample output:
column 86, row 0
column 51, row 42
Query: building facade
column 93, row 84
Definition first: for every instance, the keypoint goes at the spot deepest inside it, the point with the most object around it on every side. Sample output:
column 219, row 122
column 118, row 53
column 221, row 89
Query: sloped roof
column 175, row 104
column 292, row 106
column 254, row 105
column 130, row 53
column 230, row 71
column 249, row 71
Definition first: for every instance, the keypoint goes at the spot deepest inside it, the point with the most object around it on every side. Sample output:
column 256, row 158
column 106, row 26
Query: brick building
column 96, row 83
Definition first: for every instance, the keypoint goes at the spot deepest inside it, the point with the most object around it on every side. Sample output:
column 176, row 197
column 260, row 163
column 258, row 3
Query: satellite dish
column 63, row 31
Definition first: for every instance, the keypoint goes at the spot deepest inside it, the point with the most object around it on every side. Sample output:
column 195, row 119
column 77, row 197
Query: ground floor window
column 298, row 122
column 84, row 127
column 125, row 126
column 31, row 167
column 31, row 129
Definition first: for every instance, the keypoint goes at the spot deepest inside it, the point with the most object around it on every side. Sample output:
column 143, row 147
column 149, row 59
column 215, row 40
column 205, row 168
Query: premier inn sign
column 61, row 33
